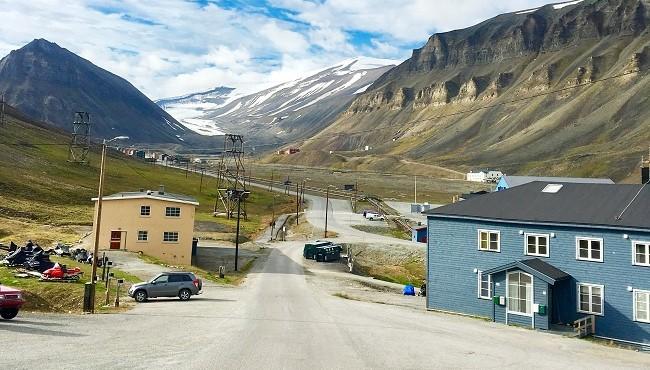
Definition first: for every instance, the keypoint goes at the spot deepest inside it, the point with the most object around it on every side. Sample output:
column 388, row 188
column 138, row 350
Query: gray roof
column 513, row 181
column 151, row 195
column 535, row 266
column 581, row 204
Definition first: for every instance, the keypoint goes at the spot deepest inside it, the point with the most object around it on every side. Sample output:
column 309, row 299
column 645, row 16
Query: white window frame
column 634, row 293
column 173, row 216
column 590, row 239
column 548, row 244
column 647, row 253
column 171, row 241
column 141, row 207
column 532, row 294
column 480, row 287
column 146, row 236
column 602, row 298
column 498, row 250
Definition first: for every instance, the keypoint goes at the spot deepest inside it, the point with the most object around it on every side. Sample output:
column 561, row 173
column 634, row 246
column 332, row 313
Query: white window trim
column 138, row 237
column 634, row 293
column 178, row 237
column 548, row 245
column 532, row 291
column 498, row 250
column 179, row 212
column 602, row 248
column 634, row 243
column 479, row 276
column 602, row 299
column 145, row 205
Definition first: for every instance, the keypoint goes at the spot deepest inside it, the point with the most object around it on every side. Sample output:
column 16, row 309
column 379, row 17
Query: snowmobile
column 62, row 273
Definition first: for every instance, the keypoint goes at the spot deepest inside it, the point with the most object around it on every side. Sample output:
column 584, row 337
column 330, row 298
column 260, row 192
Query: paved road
column 281, row 319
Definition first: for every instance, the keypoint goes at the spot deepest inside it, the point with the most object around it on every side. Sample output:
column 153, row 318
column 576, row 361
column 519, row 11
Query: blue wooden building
column 545, row 254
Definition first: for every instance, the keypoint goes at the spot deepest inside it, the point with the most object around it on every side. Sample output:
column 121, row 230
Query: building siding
column 453, row 255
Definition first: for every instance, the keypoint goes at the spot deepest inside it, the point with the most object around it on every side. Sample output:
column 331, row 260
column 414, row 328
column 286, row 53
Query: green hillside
column 45, row 198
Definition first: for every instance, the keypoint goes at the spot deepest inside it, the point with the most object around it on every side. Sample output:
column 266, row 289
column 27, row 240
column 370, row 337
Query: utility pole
column 416, row 189
column 297, row 203
column 187, row 167
column 100, row 194
column 201, row 183
column 327, row 205
column 237, row 236
column 356, row 192
column 272, row 214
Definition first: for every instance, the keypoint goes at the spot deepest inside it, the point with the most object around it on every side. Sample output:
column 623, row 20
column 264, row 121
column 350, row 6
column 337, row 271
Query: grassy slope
column 43, row 197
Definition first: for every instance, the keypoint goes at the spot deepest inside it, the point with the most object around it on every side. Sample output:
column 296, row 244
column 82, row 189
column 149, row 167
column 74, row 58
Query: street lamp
column 99, row 219
column 303, row 188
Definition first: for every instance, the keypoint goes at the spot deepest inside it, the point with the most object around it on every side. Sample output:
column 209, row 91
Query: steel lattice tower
column 231, row 183
column 80, row 139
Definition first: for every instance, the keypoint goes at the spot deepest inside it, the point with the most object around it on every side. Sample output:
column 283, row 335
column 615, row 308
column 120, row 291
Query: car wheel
column 140, row 296
column 8, row 313
column 184, row 294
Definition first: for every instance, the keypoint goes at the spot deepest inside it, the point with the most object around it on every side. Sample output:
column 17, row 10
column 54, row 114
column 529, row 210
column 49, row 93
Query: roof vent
column 161, row 190
column 552, row 188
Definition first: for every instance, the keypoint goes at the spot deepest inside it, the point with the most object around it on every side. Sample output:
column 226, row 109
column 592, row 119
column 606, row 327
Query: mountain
column 187, row 108
column 298, row 108
column 561, row 89
column 49, row 83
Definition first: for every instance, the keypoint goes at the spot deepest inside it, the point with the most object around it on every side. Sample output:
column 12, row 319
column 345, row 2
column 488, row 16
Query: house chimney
column 161, row 190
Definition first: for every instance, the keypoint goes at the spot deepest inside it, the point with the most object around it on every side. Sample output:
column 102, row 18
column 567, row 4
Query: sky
column 173, row 47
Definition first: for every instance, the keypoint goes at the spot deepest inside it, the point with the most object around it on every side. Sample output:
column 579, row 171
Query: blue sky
column 172, row 47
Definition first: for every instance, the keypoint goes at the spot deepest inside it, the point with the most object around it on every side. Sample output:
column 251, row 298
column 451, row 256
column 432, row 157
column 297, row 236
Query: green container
column 495, row 299
column 542, row 310
column 310, row 248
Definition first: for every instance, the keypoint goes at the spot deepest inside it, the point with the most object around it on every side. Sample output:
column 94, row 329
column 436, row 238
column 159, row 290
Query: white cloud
column 172, row 47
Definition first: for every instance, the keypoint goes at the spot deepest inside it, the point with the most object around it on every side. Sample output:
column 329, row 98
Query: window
column 143, row 236
column 173, row 212
column 589, row 249
column 552, row 188
column 145, row 210
column 162, row 279
column 489, row 240
column 170, row 236
column 520, row 293
column 537, row 245
column 641, row 253
column 484, row 285
column 590, row 299
column 642, row 306
column 175, row 278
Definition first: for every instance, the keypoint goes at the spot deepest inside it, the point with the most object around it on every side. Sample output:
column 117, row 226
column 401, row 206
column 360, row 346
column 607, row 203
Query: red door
column 116, row 239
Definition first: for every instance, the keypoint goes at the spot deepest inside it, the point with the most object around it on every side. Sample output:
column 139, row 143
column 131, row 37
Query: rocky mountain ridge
column 520, row 91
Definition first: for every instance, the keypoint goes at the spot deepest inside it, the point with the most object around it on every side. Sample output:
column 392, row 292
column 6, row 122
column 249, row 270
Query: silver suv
column 168, row 284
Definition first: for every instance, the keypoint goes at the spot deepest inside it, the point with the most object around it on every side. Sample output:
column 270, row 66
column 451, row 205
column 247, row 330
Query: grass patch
column 392, row 232
column 65, row 297
column 41, row 193
column 230, row 278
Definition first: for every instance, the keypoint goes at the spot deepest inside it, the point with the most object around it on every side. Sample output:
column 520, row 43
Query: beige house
column 156, row 223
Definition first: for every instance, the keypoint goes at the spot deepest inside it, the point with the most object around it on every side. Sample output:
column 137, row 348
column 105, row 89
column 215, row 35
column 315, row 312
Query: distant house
column 157, row 223
column 289, row 151
column 419, row 234
column 544, row 254
column 484, row 176
column 507, row 182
